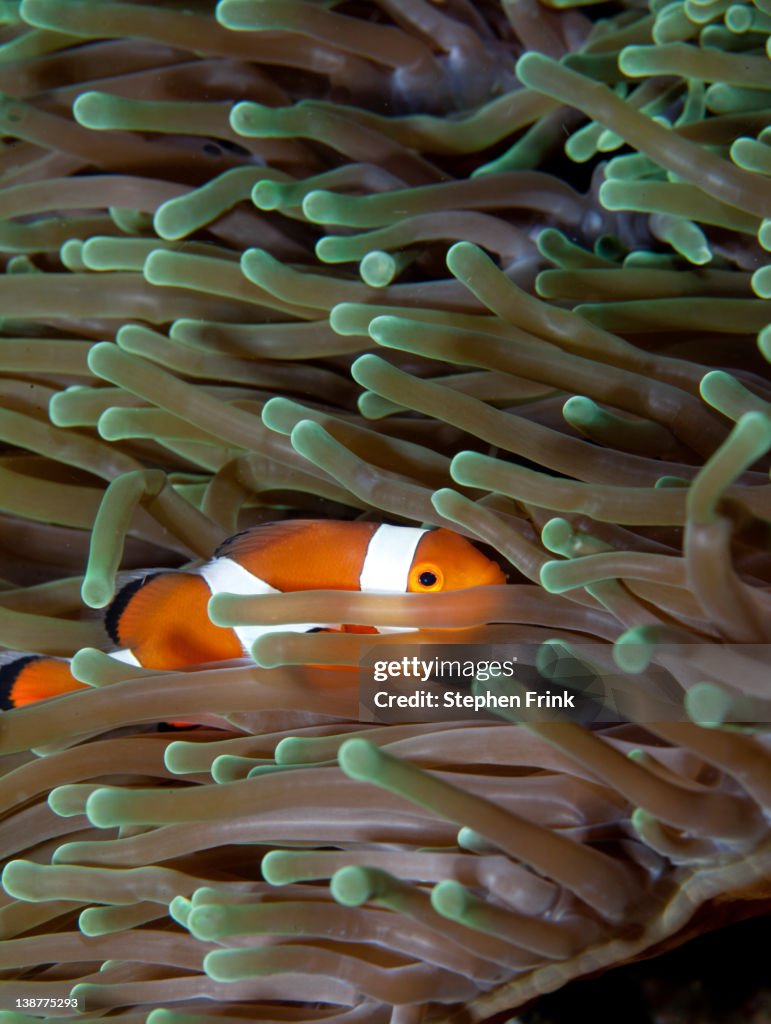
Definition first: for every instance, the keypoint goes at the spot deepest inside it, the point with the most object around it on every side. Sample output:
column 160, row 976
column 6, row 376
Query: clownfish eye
column 426, row 577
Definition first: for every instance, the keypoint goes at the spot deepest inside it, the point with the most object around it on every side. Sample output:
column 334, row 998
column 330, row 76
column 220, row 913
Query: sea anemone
column 494, row 266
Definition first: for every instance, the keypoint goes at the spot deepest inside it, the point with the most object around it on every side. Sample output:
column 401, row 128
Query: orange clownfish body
column 161, row 621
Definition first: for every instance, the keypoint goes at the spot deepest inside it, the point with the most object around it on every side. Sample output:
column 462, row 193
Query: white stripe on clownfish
column 126, row 656
column 389, row 559
column 387, row 564
column 224, row 576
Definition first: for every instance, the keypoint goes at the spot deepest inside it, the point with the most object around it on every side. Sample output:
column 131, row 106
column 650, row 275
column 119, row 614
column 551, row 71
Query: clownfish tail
column 28, row 678
column 12, row 666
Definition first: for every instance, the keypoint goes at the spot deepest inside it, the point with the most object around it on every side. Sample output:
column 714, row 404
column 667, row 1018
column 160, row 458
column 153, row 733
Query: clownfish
column 160, row 620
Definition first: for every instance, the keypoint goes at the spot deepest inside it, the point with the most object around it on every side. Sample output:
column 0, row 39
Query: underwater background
column 496, row 266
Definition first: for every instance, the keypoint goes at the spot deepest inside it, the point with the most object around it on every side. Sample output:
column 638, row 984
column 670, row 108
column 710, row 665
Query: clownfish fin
column 255, row 537
column 121, row 602
column 163, row 620
column 28, row 678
